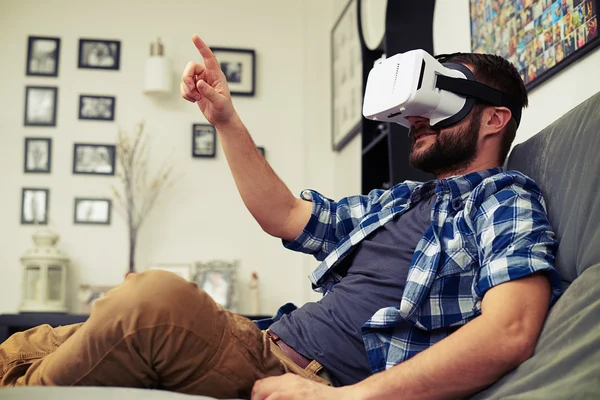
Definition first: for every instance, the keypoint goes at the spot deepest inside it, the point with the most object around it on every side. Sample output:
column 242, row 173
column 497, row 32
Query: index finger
column 210, row 61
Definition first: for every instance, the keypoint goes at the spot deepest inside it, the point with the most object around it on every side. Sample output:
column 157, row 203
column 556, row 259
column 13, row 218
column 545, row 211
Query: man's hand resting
column 291, row 387
column 206, row 85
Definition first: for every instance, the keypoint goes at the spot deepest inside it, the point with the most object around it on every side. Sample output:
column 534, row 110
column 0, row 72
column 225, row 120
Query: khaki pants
column 155, row 330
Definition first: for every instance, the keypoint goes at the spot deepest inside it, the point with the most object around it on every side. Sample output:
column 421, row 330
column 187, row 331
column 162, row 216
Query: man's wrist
column 233, row 123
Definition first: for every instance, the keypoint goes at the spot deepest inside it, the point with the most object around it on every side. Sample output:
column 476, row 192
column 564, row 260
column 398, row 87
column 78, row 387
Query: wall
column 202, row 216
column 548, row 101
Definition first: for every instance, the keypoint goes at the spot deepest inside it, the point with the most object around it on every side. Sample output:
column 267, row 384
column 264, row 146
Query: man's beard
column 452, row 151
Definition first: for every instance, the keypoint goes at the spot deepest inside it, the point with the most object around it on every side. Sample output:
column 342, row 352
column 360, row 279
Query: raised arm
column 268, row 199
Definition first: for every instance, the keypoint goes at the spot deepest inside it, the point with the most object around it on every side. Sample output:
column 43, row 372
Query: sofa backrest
column 564, row 159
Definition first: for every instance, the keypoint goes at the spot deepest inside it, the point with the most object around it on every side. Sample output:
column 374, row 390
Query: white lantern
column 44, row 275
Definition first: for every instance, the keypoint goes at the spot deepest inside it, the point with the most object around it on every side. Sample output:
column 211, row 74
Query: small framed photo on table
column 99, row 108
column 219, row 279
column 99, row 54
column 34, row 206
column 40, row 105
column 43, row 56
column 183, row 270
column 239, row 67
column 94, row 159
column 204, row 141
column 92, row 211
column 38, row 155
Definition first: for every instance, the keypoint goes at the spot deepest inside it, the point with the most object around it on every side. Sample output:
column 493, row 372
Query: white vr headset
column 416, row 84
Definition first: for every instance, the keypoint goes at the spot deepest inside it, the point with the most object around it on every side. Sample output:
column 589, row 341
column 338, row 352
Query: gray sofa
column 565, row 161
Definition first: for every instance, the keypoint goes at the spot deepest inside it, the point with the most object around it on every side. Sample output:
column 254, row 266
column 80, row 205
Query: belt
column 296, row 357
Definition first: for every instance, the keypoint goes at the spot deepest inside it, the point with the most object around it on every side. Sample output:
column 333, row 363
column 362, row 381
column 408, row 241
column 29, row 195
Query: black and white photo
column 94, row 159
column 239, row 67
column 101, row 108
column 43, row 56
column 34, row 206
column 38, row 155
column 40, row 105
column 204, row 138
column 92, row 211
column 99, row 54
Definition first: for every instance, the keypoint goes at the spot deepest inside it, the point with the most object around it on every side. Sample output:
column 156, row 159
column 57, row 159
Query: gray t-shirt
column 329, row 330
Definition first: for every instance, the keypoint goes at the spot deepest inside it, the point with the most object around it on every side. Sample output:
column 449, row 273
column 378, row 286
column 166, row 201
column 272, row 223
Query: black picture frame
column 101, row 159
column 82, row 202
column 204, row 141
column 43, row 56
column 540, row 37
column 262, row 151
column 97, row 108
column 41, row 103
column 27, row 193
column 35, row 160
column 346, row 77
column 99, row 54
column 239, row 67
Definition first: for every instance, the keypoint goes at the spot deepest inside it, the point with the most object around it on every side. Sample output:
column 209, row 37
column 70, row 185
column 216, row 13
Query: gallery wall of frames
column 97, row 159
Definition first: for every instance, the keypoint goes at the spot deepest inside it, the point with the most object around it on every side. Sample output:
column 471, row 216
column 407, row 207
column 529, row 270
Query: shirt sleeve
column 515, row 240
column 331, row 221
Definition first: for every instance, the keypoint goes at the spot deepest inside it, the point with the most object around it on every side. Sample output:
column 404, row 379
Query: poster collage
column 535, row 35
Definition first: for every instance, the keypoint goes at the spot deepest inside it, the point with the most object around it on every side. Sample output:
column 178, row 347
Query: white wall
column 202, row 217
column 548, row 101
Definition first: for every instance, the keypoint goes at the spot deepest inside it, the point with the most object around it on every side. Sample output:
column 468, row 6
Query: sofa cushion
column 564, row 159
column 566, row 361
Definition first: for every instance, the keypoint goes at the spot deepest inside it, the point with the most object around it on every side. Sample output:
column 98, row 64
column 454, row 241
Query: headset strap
column 479, row 91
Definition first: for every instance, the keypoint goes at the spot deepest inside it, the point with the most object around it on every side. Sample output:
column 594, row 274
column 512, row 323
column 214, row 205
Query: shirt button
column 456, row 204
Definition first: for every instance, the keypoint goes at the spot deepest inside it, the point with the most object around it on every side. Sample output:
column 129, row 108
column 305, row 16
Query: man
column 440, row 288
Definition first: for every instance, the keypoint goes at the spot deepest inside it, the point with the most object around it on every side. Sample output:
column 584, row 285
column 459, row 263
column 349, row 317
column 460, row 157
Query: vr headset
column 416, row 84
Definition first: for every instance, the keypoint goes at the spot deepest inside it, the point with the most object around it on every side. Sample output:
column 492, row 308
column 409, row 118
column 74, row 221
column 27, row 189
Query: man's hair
column 500, row 74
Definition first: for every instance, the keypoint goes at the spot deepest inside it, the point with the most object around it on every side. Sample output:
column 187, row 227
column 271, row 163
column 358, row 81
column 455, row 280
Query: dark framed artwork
column 262, row 151
column 540, row 37
column 34, row 206
column 92, row 211
column 98, row 108
column 346, row 77
column 99, row 54
column 43, row 54
column 239, row 66
column 38, row 155
column 94, row 159
column 204, row 141
column 40, row 105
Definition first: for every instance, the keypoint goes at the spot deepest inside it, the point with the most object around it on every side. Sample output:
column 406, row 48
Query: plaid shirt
column 487, row 228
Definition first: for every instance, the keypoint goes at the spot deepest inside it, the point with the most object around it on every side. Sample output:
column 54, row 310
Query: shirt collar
column 461, row 185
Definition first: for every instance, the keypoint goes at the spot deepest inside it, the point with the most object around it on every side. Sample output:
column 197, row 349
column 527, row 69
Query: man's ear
column 494, row 120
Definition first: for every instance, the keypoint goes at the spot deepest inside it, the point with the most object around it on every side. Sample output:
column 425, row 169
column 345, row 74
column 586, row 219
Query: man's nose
column 418, row 121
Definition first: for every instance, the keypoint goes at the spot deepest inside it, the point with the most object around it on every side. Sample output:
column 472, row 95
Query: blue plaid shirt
column 487, row 228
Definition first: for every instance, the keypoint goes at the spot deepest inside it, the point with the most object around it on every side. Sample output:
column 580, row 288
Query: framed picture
column 239, row 66
column 204, row 140
column 183, row 270
column 42, row 56
column 99, row 54
column 262, row 150
column 40, row 105
column 100, row 108
column 94, row 159
column 38, row 155
column 218, row 279
column 346, row 78
column 34, row 206
column 540, row 37
column 88, row 294
column 92, row 211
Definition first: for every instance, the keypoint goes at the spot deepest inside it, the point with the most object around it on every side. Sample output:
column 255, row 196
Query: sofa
column 564, row 159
